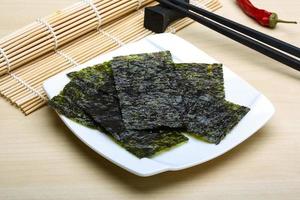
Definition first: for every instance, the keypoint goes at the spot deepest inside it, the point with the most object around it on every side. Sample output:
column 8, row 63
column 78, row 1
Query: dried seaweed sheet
column 96, row 77
column 64, row 103
column 144, row 143
column 101, row 106
column 143, row 101
column 199, row 79
column 104, row 109
column 213, row 118
column 147, row 89
column 98, row 99
column 207, row 114
column 64, row 106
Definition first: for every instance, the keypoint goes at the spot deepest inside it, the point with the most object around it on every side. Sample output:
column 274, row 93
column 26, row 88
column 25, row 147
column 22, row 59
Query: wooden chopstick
column 243, row 39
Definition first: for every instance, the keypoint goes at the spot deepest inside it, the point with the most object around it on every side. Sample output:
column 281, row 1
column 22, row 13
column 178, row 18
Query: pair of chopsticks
column 265, row 44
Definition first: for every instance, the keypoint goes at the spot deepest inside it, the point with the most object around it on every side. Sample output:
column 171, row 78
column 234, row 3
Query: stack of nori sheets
column 145, row 102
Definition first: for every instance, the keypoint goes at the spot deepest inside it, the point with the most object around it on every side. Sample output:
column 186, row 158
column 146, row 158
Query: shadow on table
column 168, row 179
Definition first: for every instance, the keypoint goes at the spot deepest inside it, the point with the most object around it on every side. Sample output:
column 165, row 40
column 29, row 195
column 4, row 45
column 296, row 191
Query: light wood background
column 41, row 159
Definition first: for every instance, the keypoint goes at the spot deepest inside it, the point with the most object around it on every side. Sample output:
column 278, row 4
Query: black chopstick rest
column 158, row 18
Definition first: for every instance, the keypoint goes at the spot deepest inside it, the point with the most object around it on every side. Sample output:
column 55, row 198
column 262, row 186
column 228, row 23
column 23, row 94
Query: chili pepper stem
column 273, row 20
column 287, row 22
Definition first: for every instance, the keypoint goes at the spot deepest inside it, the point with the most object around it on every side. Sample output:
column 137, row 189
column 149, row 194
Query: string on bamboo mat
column 97, row 13
column 4, row 55
column 140, row 2
column 27, row 86
column 112, row 37
column 50, row 29
column 91, row 45
column 67, row 57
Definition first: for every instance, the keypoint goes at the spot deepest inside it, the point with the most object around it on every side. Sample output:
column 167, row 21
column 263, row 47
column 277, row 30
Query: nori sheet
column 143, row 101
column 64, row 106
column 146, row 143
column 101, row 106
column 207, row 114
column 213, row 118
column 96, row 77
column 98, row 99
column 147, row 89
column 199, row 79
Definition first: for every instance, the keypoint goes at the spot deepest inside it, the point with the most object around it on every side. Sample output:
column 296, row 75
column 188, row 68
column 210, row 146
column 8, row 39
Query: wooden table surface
column 41, row 159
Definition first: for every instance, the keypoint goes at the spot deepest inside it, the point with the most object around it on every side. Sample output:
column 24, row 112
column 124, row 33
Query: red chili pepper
column 263, row 17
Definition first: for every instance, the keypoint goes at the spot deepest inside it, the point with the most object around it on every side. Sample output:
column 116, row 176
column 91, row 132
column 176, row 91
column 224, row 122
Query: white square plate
column 192, row 153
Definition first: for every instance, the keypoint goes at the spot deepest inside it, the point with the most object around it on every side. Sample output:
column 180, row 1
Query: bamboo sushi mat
column 68, row 38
